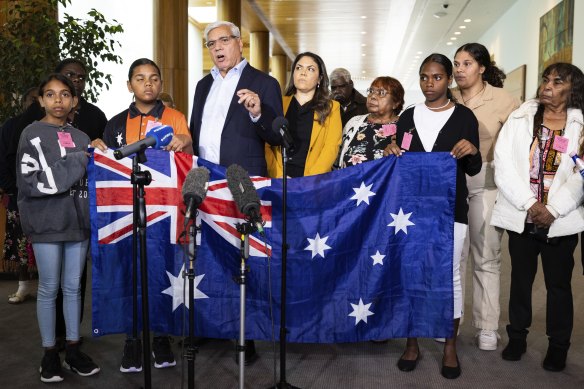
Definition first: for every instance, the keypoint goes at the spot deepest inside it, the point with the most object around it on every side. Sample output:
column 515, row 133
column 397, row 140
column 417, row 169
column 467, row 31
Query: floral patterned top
column 367, row 143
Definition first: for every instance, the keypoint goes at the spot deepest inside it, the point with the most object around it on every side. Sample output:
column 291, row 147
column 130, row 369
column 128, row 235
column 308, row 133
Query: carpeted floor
column 342, row 366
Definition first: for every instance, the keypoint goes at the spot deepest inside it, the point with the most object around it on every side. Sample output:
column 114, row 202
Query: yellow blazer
column 324, row 145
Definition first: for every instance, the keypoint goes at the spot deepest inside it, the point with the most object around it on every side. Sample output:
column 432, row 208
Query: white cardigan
column 512, row 175
column 349, row 132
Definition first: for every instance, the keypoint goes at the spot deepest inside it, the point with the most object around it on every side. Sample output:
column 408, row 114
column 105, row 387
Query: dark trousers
column 557, row 262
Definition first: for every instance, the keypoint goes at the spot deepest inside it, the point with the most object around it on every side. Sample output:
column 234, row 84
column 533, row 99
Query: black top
column 357, row 106
column 89, row 119
column 462, row 124
column 300, row 121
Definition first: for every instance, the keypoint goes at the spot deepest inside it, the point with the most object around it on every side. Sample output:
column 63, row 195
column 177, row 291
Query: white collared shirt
column 215, row 111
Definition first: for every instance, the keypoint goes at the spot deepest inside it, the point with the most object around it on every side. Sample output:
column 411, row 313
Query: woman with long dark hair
column 314, row 121
column 540, row 206
column 480, row 84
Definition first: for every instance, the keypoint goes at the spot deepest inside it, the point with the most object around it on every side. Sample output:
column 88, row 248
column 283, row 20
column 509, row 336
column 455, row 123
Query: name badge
column 65, row 139
column 406, row 141
column 151, row 124
column 560, row 144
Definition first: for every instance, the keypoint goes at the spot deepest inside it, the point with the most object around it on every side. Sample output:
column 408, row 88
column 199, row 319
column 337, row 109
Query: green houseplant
column 32, row 41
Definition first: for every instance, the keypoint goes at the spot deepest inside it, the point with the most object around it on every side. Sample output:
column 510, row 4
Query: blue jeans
column 59, row 263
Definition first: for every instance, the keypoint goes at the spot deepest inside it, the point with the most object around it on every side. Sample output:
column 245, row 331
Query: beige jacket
column 491, row 108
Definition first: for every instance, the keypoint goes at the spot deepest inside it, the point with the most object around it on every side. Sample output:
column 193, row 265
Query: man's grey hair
column 340, row 74
column 234, row 29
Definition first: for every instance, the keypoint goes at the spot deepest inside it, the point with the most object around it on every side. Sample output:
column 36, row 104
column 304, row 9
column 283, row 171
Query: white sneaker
column 487, row 339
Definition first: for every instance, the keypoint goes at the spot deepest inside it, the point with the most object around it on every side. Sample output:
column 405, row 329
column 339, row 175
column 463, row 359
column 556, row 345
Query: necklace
column 473, row 96
column 437, row 108
column 381, row 121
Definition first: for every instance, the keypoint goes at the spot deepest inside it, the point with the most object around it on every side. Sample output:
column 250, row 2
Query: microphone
column 280, row 124
column 157, row 138
column 194, row 190
column 244, row 194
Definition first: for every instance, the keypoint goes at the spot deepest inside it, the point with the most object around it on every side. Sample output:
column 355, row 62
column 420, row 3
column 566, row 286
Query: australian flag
column 370, row 251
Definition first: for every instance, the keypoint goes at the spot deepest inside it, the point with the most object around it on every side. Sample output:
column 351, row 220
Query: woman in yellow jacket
column 314, row 121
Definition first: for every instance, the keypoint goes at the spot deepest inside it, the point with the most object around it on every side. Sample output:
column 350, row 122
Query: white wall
column 514, row 39
column 136, row 40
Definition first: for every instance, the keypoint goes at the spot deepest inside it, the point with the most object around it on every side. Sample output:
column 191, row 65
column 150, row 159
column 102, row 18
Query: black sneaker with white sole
column 162, row 353
column 51, row 367
column 132, row 358
column 79, row 362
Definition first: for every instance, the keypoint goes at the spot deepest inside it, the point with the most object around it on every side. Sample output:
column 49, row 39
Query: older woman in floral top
column 365, row 136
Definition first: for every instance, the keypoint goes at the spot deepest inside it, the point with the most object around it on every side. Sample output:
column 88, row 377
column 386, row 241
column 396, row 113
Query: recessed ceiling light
column 449, row 43
column 363, row 72
column 467, row 20
column 462, row 27
column 453, row 38
column 363, row 55
column 419, row 52
column 363, row 32
column 439, row 14
column 364, row 17
column 417, row 57
column 456, row 32
column 363, row 44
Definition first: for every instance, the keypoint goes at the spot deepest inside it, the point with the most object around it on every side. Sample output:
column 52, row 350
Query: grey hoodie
column 52, row 183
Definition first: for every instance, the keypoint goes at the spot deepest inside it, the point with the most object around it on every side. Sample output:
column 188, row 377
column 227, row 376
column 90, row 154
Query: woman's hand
column 251, row 101
column 463, row 148
column 393, row 149
column 540, row 215
column 98, row 144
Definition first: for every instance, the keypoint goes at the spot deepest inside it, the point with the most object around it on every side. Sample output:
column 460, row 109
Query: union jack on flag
column 112, row 218
column 369, row 257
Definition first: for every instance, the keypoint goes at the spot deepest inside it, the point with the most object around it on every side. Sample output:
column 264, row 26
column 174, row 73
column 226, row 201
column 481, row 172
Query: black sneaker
column 51, row 367
column 162, row 353
column 79, row 362
column 132, row 359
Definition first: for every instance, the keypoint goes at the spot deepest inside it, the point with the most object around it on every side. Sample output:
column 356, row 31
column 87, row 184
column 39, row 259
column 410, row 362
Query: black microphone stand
column 139, row 179
column 245, row 229
column 192, row 350
column 283, row 330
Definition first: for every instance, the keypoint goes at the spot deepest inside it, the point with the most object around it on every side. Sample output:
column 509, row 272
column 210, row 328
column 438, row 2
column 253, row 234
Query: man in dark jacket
column 352, row 102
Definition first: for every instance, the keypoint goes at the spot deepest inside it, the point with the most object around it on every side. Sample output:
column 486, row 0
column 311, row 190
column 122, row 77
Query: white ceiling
column 371, row 37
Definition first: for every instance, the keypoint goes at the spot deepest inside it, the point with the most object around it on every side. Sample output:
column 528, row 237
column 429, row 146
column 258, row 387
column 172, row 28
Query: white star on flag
column 119, row 139
column 363, row 193
column 317, row 245
column 378, row 258
column 177, row 285
column 360, row 311
column 401, row 221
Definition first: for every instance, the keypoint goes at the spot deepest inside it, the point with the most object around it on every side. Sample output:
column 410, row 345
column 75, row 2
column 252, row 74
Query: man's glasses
column 79, row 76
column 378, row 92
column 223, row 40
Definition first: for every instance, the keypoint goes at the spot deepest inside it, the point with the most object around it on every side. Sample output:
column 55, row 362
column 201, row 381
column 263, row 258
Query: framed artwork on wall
column 556, row 31
column 515, row 83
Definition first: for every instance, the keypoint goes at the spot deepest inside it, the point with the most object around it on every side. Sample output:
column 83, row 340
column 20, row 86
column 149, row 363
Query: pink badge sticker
column 388, row 129
column 560, row 144
column 406, row 141
column 151, row 124
column 65, row 139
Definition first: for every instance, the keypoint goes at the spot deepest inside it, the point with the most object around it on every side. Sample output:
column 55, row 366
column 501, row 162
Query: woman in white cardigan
column 539, row 204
